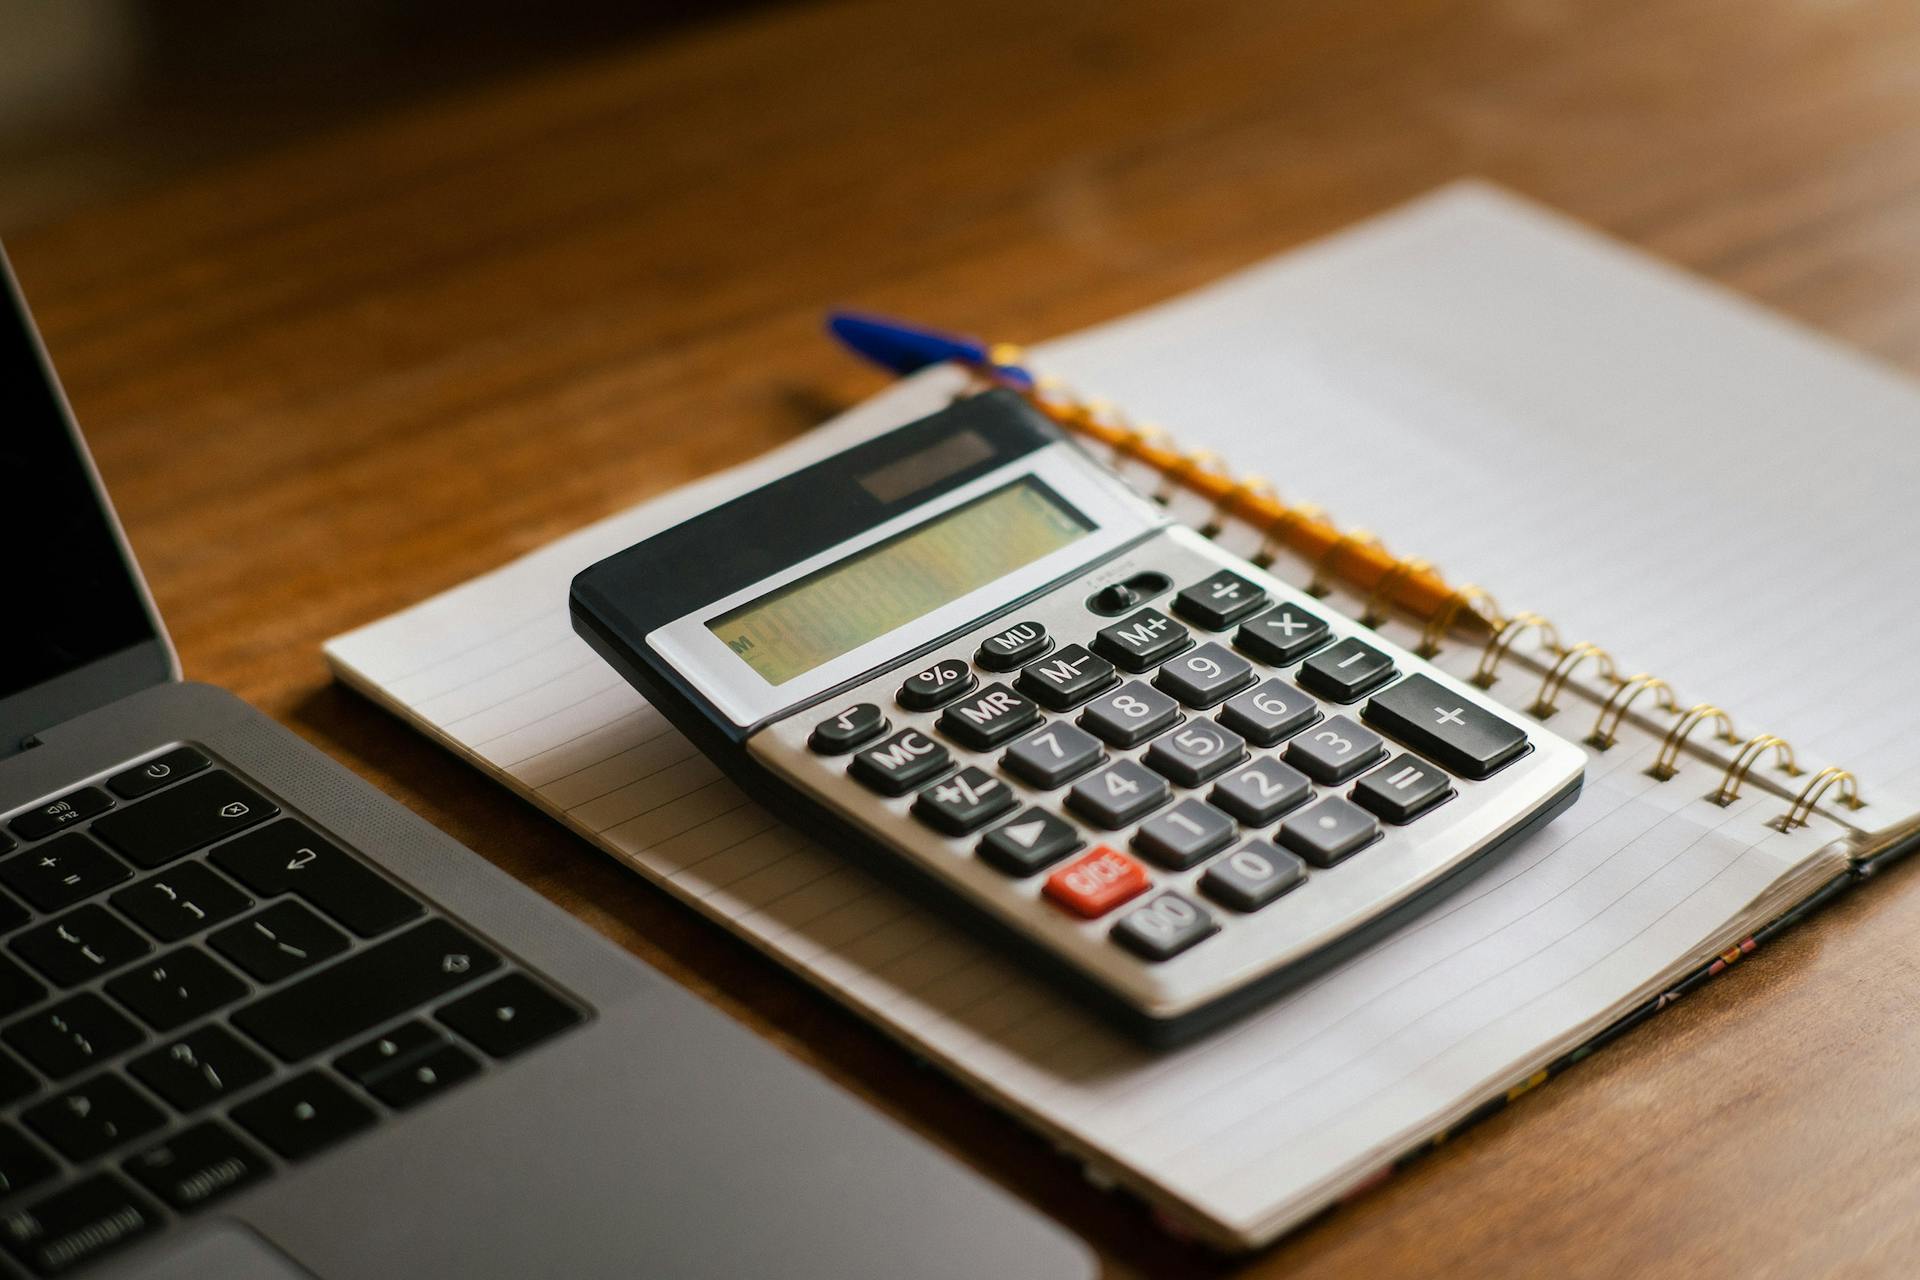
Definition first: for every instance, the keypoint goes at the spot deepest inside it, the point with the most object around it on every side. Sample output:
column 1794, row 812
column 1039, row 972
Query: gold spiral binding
column 1374, row 612
column 1501, row 644
column 1319, row 584
column 1274, row 532
column 1545, row 702
column 1606, row 727
column 1667, row 763
column 1199, row 462
column 1817, row 786
column 1442, row 620
column 1749, row 755
column 1246, row 489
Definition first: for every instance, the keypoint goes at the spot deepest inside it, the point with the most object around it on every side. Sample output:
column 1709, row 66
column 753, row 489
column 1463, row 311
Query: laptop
column 256, row 1019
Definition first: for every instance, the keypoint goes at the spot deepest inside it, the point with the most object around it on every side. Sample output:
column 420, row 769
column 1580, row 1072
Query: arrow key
column 424, row 1078
column 1035, row 839
column 289, row 857
column 509, row 1014
column 307, row 1113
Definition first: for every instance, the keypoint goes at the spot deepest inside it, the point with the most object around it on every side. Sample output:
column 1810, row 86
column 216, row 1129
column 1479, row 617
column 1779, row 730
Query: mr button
column 1459, row 734
column 988, row 718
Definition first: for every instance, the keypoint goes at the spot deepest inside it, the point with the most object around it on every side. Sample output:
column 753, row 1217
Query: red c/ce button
column 1096, row 883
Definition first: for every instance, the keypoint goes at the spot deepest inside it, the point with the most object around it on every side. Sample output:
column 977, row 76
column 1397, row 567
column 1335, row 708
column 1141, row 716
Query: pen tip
column 901, row 348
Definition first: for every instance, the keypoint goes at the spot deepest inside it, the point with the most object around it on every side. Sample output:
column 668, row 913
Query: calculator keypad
column 1153, row 793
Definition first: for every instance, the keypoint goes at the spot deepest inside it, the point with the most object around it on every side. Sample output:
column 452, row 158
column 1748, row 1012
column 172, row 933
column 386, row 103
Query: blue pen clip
column 904, row 349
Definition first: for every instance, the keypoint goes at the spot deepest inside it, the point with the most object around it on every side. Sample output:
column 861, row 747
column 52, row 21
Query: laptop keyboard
column 198, row 989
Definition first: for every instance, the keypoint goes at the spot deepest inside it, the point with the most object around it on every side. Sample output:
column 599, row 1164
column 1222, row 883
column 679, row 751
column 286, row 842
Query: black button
column 901, row 763
column 288, row 857
column 16, row 1082
column 841, row 733
column 1266, row 715
column 1335, row 751
column 62, row 872
column 81, row 944
column 1163, row 927
column 1067, row 678
column 12, row 914
column 1282, row 635
column 1034, row 840
column 1130, row 714
column 1196, row 752
column 967, row 801
column 181, row 762
column 197, row 1166
column 1220, row 601
column 403, row 1044
column 22, row 1164
column 278, row 942
column 989, row 717
column 365, row 990
column 1019, row 644
column 77, row 1224
column 1260, row 791
column 1057, row 754
column 424, row 1078
column 1116, row 598
column 176, row 988
column 18, row 988
column 1458, row 733
column 509, row 1015
column 181, row 900
column 66, row 1038
column 303, row 1115
column 183, row 818
column 1329, row 832
column 1252, row 876
column 1119, row 793
column 1402, row 789
column 74, row 807
column 206, row 1065
column 1206, row 677
column 93, row 1117
column 1141, row 641
column 942, row 682
column 1184, row 835
column 1346, row 671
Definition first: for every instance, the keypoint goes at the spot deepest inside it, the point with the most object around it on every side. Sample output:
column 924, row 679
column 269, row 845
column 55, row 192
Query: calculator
column 969, row 653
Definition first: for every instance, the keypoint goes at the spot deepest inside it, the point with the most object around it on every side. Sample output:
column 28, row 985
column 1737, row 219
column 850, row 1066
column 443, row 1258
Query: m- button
column 1436, row 722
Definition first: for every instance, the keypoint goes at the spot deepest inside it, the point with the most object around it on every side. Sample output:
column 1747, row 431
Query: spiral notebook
column 1639, row 457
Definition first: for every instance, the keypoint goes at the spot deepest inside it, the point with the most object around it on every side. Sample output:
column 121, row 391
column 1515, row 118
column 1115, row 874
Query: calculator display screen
column 790, row 631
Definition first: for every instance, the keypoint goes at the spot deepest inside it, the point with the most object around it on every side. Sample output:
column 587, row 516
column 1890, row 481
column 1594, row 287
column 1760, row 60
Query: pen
column 1352, row 555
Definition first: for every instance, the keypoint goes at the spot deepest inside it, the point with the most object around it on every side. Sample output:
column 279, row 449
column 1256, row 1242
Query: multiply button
column 1067, row 679
column 1282, row 635
column 1437, row 722
column 988, row 718
column 942, row 682
column 1019, row 644
column 901, row 763
column 1143, row 640
column 841, row 733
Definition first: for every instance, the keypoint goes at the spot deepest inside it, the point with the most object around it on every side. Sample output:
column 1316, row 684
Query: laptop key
column 181, row 901
column 278, row 942
column 197, row 1166
column 424, row 1078
column 381, row 1054
column 77, row 1224
column 22, row 1164
column 79, row 945
column 65, row 1039
column 184, row 818
column 176, row 988
column 508, row 1015
column 76, row 806
column 304, row 1115
column 288, row 857
column 208, row 1064
column 364, row 990
column 16, row 1082
column 18, row 988
column 93, row 1117
column 144, row 779
column 62, row 872
column 12, row 914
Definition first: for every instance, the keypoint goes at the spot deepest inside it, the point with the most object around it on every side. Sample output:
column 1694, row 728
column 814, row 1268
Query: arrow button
column 1034, row 840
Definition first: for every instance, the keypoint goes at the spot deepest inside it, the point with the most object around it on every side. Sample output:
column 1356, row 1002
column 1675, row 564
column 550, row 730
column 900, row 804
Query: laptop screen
column 68, row 594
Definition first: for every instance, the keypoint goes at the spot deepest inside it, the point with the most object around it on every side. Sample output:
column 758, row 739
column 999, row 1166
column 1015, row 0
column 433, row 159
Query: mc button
column 900, row 763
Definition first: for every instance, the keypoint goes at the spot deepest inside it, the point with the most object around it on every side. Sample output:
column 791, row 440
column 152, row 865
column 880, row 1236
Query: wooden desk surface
column 330, row 382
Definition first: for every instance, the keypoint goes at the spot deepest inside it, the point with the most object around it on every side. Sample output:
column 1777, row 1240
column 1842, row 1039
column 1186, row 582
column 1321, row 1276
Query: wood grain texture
column 330, row 382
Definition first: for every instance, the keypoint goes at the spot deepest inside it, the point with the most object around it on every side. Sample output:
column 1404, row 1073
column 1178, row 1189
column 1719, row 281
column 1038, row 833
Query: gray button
column 1206, row 677
column 1054, row 755
column 1346, row 671
column 945, row 679
column 1330, row 831
column 1119, row 793
column 1032, row 840
column 1274, row 711
column 967, row 801
column 1252, row 876
column 1184, row 834
column 1142, row 640
column 1282, row 635
column 1402, row 789
column 1130, row 714
column 900, row 763
column 1164, row 927
column 1335, row 751
column 1260, row 791
column 987, row 718
column 1458, row 733
column 1065, row 678
column 1020, row 643
column 1196, row 751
